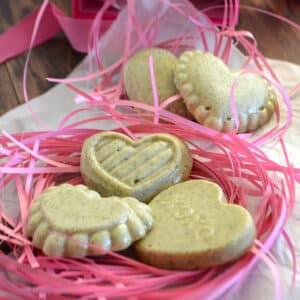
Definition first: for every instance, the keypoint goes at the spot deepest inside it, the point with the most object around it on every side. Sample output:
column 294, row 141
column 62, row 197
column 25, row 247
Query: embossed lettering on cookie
column 195, row 228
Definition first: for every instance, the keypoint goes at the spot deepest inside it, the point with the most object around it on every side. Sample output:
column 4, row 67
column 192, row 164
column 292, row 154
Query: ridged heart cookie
column 113, row 164
column 195, row 228
column 138, row 83
column 65, row 218
column 205, row 83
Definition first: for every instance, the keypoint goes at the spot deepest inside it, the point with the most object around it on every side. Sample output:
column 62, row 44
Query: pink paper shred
column 33, row 161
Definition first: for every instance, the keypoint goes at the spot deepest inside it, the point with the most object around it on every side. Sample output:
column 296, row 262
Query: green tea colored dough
column 205, row 83
column 195, row 228
column 138, row 83
column 114, row 165
column 64, row 219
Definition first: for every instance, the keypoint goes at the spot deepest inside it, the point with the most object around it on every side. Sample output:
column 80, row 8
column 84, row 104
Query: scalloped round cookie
column 195, row 228
column 205, row 83
column 65, row 219
column 138, row 83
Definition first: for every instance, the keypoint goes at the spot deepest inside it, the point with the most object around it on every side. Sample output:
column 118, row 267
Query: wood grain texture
column 275, row 38
column 13, row 11
column 56, row 58
column 8, row 96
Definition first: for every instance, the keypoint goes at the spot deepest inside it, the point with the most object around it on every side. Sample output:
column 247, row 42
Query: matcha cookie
column 138, row 83
column 64, row 219
column 195, row 228
column 205, row 83
column 115, row 165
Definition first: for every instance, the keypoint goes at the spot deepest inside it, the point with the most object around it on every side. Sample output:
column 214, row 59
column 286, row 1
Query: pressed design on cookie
column 114, row 164
column 138, row 83
column 64, row 219
column 195, row 228
column 205, row 83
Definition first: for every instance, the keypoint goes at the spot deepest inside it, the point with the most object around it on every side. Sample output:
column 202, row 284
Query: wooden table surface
column 56, row 58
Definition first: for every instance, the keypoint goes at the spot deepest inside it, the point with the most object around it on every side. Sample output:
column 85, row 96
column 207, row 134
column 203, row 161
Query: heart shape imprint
column 195, row 228
column 65, row 218
column 205, row 83
column 115, row 165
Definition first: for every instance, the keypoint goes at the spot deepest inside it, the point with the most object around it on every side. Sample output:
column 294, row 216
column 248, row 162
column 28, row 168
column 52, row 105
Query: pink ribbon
column 16, row 40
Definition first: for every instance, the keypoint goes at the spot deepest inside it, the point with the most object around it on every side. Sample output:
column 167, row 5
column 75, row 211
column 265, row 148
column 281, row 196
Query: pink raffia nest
column 33, row 161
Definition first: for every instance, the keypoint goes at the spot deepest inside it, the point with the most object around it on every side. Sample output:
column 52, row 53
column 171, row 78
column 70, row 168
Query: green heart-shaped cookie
column 115, row 165
column 205, row 83
column 195, row 228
